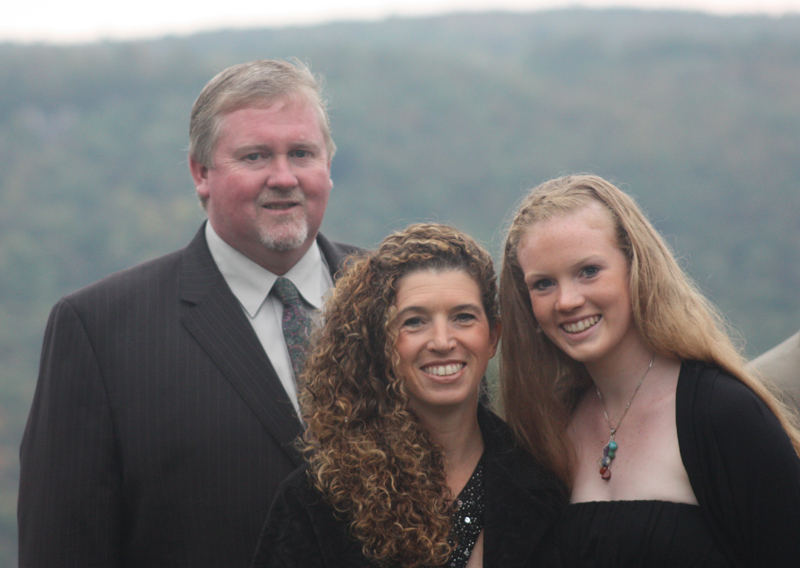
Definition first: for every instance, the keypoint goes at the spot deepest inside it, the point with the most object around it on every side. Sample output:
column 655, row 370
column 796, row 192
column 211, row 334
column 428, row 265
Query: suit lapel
column 217, row 322
column 335, row 253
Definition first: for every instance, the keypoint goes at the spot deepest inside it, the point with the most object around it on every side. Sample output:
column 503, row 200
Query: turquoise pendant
column 609, row 453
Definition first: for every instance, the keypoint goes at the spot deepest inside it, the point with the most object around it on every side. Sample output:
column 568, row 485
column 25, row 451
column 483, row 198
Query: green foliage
column 448, row 118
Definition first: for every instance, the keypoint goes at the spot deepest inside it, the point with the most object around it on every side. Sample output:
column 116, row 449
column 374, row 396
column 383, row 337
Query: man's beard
column 286, row 236
column 291, row 233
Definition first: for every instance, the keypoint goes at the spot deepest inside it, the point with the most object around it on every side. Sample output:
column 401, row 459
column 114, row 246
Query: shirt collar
column 251, row 282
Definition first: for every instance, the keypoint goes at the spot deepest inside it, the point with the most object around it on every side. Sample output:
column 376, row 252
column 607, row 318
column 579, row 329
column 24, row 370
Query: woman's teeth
column 579, row 326
column 444, row 370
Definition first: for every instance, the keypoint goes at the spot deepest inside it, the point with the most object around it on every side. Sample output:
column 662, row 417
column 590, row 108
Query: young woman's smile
column 578, row 280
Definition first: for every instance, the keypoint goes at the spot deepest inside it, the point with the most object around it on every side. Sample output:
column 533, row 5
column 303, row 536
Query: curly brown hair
column 368, row 454
column 540, row 385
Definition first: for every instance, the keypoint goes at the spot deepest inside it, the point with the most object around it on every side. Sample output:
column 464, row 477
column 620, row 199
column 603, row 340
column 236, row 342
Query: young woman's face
column 444, row 340
column 578, row 281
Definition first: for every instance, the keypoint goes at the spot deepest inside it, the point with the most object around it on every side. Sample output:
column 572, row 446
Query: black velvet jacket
column 742, row 466
column 522, row 502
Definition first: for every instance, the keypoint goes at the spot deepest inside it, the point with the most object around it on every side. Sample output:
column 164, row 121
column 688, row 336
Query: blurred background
column 444, row 114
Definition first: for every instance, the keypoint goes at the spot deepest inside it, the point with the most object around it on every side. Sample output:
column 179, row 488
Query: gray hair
column 252, row 84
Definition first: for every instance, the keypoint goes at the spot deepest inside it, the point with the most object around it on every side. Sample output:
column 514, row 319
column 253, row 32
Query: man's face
column 269, row 185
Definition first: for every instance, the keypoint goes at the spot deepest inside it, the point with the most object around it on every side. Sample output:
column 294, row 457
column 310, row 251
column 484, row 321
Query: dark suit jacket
column 159, row 430
column 522, row 503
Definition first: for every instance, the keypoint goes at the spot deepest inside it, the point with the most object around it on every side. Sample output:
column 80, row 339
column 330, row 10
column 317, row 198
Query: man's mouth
column 279, row 206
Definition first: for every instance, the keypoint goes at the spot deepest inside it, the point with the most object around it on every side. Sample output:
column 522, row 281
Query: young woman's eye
column 542, row 284
column 590, row 271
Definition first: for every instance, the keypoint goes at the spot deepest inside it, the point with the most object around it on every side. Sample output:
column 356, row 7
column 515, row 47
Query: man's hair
column 253, row 84
column 369, row 456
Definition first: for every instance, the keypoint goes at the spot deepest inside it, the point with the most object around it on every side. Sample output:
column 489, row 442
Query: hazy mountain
column 448, row 118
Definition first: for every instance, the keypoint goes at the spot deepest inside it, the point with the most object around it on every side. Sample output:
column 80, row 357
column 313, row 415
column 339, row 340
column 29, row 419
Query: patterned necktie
column 296, row 322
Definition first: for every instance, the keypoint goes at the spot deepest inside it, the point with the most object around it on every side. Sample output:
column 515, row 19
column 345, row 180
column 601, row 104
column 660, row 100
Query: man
column 781, row 365
column 165, row 411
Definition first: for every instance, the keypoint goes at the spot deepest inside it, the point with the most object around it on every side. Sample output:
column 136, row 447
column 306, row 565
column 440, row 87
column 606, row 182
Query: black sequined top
column 519, row 503
column 468, row 518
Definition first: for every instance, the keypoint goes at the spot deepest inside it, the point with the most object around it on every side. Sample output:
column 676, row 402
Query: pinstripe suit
column 159, row 430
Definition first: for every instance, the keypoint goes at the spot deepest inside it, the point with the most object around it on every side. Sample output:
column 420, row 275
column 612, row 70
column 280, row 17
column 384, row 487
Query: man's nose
column 281, row 174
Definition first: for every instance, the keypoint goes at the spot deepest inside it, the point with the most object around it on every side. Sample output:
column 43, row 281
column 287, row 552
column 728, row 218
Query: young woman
column 405, row 467
column 619, row 373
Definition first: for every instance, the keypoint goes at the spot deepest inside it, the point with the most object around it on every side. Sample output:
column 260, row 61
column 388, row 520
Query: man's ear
column 200, row 176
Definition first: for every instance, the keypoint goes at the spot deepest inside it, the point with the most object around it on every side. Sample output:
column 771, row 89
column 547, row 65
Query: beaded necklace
column 610, row 449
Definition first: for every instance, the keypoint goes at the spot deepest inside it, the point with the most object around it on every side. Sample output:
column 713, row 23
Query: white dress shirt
column 251, row 284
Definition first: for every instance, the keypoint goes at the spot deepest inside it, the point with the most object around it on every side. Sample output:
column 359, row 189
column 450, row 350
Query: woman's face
column 578, row 281
column 444, row 340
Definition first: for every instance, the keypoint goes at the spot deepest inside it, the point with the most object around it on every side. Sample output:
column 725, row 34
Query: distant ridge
column 448, row 118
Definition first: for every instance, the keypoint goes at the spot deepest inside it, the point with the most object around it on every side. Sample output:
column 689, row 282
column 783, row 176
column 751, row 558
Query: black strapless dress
column 651, row 534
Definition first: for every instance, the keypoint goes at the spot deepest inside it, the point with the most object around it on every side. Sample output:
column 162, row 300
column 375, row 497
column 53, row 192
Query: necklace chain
column 610, row 449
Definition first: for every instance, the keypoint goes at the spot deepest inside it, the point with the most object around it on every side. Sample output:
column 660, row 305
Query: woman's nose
column 569, row 298
column 442, row 338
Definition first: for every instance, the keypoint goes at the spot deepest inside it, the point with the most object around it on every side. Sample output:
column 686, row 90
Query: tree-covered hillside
column 448, row 118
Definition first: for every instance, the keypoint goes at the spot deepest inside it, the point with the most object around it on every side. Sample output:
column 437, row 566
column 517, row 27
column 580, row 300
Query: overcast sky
column 88, row 20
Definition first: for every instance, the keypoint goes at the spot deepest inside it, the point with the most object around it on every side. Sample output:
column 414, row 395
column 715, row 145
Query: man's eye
column 252, row 157
column 301, row 153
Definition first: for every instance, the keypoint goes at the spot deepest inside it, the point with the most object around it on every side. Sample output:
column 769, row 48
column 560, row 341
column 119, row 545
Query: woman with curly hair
column 405, row 467
column 621, row 376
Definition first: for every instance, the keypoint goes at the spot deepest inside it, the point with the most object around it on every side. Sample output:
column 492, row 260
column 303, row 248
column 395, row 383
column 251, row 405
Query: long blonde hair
column 540, row 385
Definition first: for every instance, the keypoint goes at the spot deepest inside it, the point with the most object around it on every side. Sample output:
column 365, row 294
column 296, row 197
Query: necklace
column 610, row 449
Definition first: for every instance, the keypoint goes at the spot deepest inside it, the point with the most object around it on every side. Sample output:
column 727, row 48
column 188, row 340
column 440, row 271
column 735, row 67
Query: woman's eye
column 542, row 284
column 465, row 317
column 590, row 271
column 412, row 322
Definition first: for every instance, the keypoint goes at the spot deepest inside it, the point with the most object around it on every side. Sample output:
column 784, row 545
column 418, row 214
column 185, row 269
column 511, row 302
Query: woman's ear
column 494, row 335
